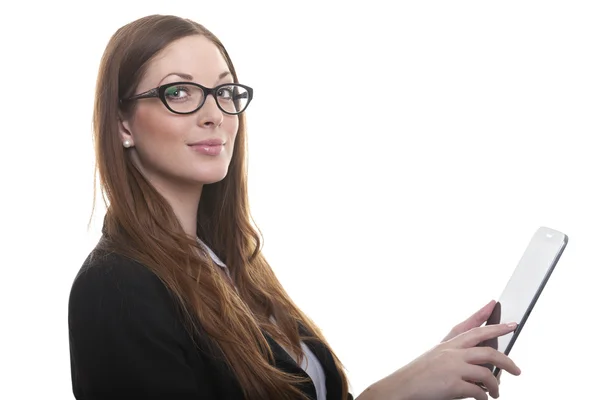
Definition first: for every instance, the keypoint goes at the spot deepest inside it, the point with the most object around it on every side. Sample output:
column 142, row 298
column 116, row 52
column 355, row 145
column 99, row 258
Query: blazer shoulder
column 126, row 337
column 102, row 263
column 108, row 278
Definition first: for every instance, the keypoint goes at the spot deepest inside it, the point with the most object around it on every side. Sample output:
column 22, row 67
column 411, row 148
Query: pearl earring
column 127, row 144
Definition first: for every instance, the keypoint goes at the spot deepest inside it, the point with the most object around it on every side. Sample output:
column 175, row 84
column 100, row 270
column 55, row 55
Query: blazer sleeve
column 125, row 337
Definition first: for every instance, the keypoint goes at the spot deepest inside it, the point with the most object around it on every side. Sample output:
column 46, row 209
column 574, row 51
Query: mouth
column 212, row 147
column 209, row 142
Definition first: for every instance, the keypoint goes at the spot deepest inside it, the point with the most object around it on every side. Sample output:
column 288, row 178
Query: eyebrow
column 189, row 77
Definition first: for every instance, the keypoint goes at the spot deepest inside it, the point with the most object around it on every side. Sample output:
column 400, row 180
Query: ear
column 125, row 130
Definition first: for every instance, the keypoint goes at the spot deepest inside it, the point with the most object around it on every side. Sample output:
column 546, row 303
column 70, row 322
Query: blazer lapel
column 333, row 380
column 285, row 362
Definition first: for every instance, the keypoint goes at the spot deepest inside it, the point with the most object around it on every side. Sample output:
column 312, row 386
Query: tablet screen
column 525, row 285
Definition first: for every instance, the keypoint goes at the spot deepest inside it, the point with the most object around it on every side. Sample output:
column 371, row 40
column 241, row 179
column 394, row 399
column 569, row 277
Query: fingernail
column 512, row 325
column 518, row 370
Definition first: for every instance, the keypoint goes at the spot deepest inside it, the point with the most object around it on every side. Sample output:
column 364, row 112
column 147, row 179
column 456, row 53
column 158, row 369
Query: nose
column 210, row 115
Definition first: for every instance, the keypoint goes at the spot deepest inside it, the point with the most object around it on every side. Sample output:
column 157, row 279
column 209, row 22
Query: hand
column 451, row 369
column 473, row 321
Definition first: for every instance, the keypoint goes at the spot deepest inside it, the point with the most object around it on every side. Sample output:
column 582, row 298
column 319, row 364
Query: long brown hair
column 140, row 224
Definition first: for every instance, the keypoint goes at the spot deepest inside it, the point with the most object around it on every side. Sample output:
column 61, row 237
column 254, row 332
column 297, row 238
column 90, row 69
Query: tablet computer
column 525, row 286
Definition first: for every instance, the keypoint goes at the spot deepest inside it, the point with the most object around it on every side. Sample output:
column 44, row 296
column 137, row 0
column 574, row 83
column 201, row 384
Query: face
column 173, row 149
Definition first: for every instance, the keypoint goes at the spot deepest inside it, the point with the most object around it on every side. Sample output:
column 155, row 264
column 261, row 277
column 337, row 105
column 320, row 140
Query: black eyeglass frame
column 161, row 90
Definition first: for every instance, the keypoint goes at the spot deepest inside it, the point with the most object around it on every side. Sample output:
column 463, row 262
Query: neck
column 185, row 206
column 184, row 200
column 183, row 197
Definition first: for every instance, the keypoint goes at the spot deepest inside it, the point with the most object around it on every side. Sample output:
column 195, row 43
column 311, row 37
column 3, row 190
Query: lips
column 209, row 142
column 210, row 147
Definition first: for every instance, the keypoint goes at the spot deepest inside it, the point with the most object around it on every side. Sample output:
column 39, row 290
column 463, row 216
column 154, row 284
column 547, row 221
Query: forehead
column 194, row 55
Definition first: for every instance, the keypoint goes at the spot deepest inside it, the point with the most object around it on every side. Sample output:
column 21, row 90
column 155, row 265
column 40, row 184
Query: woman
column 177, row 301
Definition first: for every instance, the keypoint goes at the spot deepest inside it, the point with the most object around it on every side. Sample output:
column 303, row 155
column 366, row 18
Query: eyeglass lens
column 186, row 98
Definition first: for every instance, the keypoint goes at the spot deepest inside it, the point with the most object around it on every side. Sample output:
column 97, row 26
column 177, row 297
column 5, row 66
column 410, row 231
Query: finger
column 487, row 355
column 480, row 334
column 483, row 375
column 473, row 321
column 478, row 318
column 468, row 390
column 498, row 376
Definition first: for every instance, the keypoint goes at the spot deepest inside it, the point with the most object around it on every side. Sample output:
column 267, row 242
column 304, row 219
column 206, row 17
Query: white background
column 418, row 147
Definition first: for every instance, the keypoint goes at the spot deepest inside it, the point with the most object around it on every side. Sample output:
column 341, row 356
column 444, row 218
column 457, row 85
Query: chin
column 209, row 177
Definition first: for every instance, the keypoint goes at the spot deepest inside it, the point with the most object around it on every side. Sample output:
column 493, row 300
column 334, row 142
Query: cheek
column 231, row 126
column 155, row 127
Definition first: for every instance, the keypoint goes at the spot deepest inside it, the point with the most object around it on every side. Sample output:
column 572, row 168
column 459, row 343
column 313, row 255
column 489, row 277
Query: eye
column 177, row 92
column 226, row 92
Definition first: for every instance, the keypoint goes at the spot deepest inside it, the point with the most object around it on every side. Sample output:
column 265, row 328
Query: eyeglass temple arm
column 241, row 96
column 146, row 95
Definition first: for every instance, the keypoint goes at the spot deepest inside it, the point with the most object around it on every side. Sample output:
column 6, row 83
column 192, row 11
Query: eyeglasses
column 188, row 97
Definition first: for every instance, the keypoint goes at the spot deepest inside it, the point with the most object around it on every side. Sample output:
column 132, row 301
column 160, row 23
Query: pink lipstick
column 210, row 147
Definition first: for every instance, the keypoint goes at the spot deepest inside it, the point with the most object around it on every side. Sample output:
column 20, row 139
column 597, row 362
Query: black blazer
column 127, row 341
